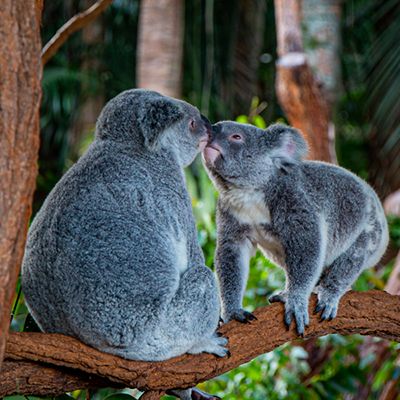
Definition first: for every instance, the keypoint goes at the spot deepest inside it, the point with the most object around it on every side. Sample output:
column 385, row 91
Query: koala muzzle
column 212, row 152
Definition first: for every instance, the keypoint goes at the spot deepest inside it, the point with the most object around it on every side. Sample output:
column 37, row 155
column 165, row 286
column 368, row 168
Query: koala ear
column 155, row 117
column 288, row 146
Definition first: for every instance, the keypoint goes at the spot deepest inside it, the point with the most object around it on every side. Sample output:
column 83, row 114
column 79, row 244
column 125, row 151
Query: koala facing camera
column 321, row 223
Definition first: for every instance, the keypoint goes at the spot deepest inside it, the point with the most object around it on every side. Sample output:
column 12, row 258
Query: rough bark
column 20, row 93
column 368, row 313
column 76, row 23
column 303, row 103
column 299, row 93
column 44, row 380
column 160, row 46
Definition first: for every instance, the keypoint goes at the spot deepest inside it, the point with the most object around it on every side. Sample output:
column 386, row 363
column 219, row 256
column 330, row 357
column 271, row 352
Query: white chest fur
column 248, row 206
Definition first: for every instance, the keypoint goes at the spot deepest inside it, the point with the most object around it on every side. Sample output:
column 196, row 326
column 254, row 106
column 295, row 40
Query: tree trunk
column 299, row 93
column 160, row 46
column 321, row 32
column 20, row 93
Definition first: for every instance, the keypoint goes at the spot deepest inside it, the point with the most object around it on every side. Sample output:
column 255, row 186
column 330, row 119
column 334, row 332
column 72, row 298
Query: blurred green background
column 99, row 62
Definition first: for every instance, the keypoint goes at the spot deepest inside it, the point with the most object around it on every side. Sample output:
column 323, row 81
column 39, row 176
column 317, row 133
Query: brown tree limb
column 20, row 94
column 76, row 23
column 45, row 380
column 368, row 313
column 288, row 32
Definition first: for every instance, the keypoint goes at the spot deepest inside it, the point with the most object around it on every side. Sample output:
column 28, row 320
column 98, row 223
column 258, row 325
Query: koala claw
column 243, row 316
column 214, row 345
column 329, row 308
column 278, row 298
column 299, row 311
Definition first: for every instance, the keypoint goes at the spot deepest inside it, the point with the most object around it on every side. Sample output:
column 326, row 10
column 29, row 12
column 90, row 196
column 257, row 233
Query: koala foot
column 216, row 344
column 280, row 297
column 327, row 305
column 192, row 394
column 242, row 316
column 294, row 307
column 198, row 394
column 298, row 309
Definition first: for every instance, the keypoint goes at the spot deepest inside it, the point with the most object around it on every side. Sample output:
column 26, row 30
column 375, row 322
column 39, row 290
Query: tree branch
column 76, row 23
column 45, row 380
column 374, row 313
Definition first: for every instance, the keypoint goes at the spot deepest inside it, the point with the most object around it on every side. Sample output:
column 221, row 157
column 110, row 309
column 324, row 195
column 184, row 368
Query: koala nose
column 213, row 132
column 207, row 125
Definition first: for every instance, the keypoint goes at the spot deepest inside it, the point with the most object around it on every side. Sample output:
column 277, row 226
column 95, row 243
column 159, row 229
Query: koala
column 319, row 222
column 112, row 257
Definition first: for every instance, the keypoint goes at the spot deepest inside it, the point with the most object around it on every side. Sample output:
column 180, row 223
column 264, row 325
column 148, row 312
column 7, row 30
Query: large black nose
column 215, row 129
column 207, row 124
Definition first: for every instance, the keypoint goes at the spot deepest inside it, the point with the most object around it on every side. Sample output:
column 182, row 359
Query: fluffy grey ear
column 288, row 146
column 155, row 117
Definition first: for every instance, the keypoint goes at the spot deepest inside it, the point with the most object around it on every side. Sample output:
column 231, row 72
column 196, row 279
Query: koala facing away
column 112, row 257
column 319, row 222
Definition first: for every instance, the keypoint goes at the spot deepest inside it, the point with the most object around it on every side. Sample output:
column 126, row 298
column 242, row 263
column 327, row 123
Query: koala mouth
column 211, row 153
column 203, row 143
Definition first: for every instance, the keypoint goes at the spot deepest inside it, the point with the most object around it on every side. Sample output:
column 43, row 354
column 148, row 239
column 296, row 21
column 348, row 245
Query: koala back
column 105, row 236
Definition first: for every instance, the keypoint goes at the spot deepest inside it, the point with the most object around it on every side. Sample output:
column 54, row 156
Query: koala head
column 244, row 156
column 152, row 122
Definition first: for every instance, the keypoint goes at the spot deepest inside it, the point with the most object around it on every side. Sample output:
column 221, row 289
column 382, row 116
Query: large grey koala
column 319, row 222
column 112, row 257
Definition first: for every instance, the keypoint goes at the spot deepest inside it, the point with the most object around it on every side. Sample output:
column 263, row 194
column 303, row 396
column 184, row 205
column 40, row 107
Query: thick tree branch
column 373, row 313
column 45, row 380
column 76, row 23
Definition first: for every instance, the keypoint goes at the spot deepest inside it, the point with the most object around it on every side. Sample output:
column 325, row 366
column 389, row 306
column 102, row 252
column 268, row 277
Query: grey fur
column 112, row 257
column 319, row 222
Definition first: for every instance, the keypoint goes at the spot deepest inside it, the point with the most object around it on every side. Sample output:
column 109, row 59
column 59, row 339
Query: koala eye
column 236, row 137
column 192, row 124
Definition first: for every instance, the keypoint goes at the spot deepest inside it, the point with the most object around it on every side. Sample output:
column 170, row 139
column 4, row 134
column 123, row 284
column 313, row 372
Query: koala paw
column 242, row 316
column 216, row 344
column 327, row 305
column 198, row 394
column 280, row 297
column 297, row 309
